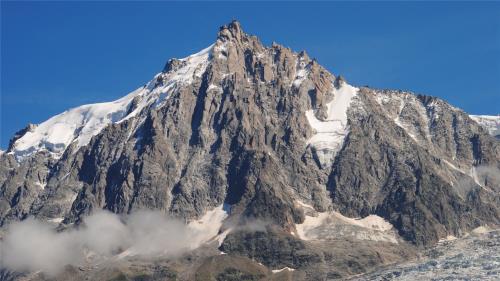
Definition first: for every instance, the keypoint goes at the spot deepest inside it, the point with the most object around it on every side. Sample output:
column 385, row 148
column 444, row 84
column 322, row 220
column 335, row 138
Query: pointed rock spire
column 231, row 31
column 172, row 64
column 339, row 81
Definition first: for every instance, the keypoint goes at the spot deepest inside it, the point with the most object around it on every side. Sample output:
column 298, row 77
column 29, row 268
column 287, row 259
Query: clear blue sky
column 58, row 55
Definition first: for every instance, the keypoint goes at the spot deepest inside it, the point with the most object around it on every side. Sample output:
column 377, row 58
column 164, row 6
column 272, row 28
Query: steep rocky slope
column 280, row 142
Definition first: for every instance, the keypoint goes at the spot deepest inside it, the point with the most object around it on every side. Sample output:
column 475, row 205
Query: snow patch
column 283, row 269
column 213, row 87
column 220, row 48
column 304, row 230
column 193, row 66
column 329, row 225
column 489, row 122
column 301, row 71
column 300, row 77
column 372, row 222
column 77, row 125
column 330, row 133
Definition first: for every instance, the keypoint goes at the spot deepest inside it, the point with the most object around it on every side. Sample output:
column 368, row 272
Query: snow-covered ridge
column 331, row 132
column 284, row 268
column 80, row 124
column 489, row 122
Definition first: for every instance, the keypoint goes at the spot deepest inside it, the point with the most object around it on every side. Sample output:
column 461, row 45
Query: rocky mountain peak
column 231, row 31
column 172, row 64
column 245, row 132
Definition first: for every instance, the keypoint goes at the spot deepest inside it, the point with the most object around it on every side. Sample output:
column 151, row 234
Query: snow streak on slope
column 80, row 124
column 491, row 123
column 331, row 132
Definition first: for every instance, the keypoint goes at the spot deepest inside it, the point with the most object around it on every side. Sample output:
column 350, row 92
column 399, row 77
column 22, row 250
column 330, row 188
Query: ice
column 489, row 122
column 300, row 77
column 372, row 221
column 332, row 225
column 213, row 87
column 220, row 48
column 75, row 125
column 330, row 133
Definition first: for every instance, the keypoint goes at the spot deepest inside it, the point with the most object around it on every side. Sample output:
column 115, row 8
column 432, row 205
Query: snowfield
column 331, row 132
column 80, row 124
column 331, row 225
column 491, row 123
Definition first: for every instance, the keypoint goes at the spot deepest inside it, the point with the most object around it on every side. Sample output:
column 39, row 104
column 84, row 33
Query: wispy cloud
column 32, row 245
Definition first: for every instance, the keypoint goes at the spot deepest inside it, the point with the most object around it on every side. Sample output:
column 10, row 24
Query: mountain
column 300, row 172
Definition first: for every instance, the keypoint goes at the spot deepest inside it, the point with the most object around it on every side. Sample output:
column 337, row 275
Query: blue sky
column 58, row 55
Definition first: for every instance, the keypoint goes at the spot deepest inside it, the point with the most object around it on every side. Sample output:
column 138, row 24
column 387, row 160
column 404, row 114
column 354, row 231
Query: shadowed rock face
column 238, row 134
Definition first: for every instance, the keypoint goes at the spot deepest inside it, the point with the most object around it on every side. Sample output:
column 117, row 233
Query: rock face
column 265, row 131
